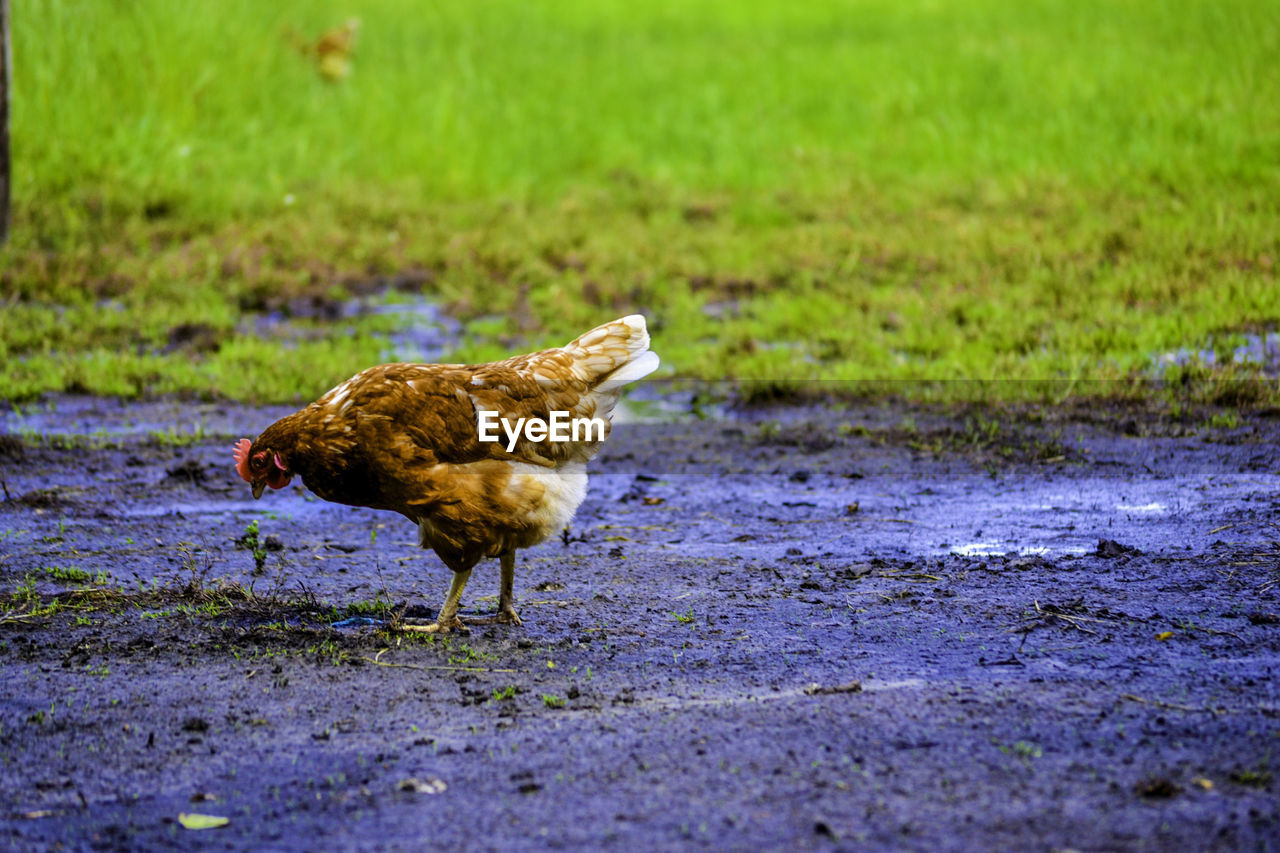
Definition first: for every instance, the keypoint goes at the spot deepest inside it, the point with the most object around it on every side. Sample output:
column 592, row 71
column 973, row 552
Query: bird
column 418, row 439
column 332, row 51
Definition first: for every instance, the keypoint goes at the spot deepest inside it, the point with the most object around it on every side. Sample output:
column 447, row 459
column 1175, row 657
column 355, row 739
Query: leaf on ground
column 193, row 820
column 1164, row 635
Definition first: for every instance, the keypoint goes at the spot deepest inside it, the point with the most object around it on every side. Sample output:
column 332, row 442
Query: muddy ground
column 869, row 627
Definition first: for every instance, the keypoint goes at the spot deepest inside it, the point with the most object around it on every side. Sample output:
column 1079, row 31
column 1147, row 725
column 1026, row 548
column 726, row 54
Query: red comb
column 241, row 453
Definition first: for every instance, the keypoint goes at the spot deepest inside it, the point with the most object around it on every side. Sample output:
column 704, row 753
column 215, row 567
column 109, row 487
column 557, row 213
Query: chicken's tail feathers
column 615, row 353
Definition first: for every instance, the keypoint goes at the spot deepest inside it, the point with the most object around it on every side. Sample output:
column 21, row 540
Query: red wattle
column 278, row 479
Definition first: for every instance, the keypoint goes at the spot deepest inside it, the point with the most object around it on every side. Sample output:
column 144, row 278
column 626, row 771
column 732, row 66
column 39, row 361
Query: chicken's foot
column 447, row 619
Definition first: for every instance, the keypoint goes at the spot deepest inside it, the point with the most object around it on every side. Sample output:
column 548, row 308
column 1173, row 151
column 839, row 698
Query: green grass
column 835, row 190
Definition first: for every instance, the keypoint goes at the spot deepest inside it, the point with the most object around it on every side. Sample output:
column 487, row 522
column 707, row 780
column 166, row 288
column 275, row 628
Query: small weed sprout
column 469, row 656
column 552, row 701
column 196, row 573
column 1223, row 421
column 1022, row 749
column 253, row 543
column 1256, row 778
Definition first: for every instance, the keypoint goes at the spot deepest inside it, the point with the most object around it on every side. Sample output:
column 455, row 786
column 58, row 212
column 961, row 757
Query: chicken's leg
column 506, row 597
column 506, row 614
column 447, row 619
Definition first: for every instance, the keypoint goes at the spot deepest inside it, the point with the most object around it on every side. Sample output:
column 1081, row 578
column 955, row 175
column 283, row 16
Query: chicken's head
column 261, row 467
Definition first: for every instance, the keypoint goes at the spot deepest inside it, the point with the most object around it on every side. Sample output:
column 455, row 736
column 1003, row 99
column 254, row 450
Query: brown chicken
column 408, row 438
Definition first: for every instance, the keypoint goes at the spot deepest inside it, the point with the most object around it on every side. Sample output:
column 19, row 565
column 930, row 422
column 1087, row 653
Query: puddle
column 997, row 549
column 424, row 332
column 1153, row 508
column 1000, row 549
column 1256, row 350
column 358, row 622
column 427, row 333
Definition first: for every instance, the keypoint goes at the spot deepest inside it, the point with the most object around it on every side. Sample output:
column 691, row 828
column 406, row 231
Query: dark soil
column 867, row 628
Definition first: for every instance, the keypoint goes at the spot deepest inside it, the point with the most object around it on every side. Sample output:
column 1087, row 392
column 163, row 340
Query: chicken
column 417, row 439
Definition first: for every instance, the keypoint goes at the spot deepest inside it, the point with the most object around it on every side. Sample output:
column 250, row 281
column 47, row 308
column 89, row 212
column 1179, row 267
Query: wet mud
column 866, row 627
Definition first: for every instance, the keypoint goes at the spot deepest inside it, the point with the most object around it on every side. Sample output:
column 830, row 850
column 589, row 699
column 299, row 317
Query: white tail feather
column 638, row 368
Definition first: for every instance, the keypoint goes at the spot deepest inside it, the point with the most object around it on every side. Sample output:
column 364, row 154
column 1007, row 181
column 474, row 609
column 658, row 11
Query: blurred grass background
column 790, row 191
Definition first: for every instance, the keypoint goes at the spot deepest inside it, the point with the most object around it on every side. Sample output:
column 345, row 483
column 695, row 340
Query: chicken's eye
column 259, row 461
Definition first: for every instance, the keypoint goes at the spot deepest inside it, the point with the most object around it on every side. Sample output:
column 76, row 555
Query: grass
column 979, row 190
column 75, row 575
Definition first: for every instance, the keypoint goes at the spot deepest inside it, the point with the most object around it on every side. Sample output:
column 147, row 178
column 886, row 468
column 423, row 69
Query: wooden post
column 6, row 78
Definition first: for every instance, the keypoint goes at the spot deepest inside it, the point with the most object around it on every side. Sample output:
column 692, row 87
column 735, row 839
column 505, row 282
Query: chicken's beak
column 258, row 486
